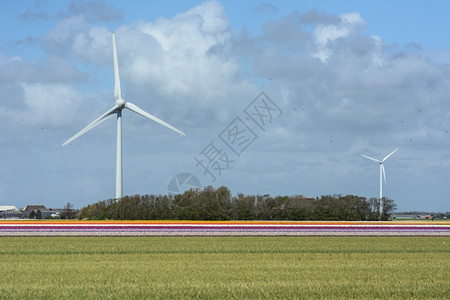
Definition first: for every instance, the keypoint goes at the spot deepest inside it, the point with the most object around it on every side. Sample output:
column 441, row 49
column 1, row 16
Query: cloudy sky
column 339, row 79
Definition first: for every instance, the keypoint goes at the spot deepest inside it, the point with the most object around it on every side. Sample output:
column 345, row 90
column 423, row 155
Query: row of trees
column 219, row 204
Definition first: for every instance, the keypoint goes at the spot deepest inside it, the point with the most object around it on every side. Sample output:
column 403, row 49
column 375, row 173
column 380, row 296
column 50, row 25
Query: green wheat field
column 224, row 267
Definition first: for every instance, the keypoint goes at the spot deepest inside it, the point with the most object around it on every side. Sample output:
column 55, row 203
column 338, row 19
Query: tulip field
column 61, row 262
column 223, row 228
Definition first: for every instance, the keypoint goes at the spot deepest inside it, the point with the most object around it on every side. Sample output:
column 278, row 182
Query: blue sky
column 346, row 78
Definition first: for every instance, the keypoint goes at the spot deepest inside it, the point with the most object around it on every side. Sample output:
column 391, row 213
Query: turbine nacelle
column 120, row 103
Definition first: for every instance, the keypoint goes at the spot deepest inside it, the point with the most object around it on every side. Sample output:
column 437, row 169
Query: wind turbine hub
column 120, row 103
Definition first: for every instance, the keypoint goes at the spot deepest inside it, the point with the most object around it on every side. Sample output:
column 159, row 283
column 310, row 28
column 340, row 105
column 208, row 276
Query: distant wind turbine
column 382, row 174
column 117, row 110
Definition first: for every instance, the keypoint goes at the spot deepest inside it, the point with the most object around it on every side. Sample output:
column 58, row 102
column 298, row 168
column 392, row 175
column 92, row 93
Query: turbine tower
column 117, row 110
column 382, row 174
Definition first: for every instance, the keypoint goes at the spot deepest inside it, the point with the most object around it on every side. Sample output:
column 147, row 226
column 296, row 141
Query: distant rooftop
column 7, row 207
column 34, row 207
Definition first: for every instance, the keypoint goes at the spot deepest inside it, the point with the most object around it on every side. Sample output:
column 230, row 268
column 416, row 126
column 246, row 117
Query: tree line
column 219, row 204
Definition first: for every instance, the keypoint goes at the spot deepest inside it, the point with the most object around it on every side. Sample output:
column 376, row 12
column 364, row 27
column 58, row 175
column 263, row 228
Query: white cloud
column 53, row 105
column 93, row 45
column 59, row 39
column 50, row 69
column 184, row 66
column 327, row 33
column 180, row 61
column 95, row 11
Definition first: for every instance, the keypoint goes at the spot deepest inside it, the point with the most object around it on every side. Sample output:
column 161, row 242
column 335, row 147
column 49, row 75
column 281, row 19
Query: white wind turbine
column 117, row 110
column 382, row 174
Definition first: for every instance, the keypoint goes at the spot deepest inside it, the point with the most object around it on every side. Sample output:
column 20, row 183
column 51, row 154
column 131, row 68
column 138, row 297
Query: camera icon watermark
column 219, row 154
column 183, row 182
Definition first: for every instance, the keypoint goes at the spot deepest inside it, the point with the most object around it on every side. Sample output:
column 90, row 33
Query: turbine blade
column 374, row 159
column 97, row 121
column 384, row 173
column 389, row 154
column 137, row 110
column 117, row 89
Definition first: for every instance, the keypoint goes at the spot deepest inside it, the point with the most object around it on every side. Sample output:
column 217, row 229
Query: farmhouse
column 7, row 207
column 10, row 212
column 39, row 211
column 404, row 216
